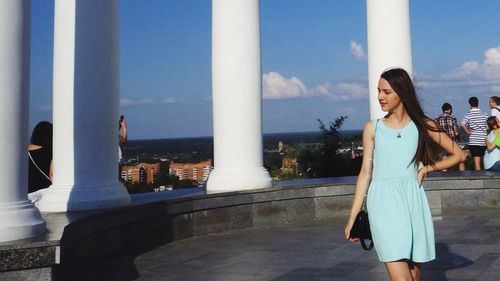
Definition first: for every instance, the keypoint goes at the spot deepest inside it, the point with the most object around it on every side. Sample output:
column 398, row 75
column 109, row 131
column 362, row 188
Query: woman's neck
column 398, row 117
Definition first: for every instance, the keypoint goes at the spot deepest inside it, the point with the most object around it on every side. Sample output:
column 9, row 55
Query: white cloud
column 486, row 71
column 146, row 101
column 466, row 70
column 325, row 90
column 169, row 101
column 275, row 86
column 492, row 56
column 127, row 101
column 357, row 51
column 341, row 91
column 350, row 91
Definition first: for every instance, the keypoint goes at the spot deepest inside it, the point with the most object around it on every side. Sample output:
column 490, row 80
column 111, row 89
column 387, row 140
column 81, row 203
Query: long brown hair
column 401, row 82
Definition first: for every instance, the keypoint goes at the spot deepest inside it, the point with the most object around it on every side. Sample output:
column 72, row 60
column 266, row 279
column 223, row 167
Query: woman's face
column 387, row 97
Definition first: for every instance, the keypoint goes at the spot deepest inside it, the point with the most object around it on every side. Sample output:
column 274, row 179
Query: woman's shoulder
column 369, row 124
column 41, row 151
column 33, row 147
column 369, row 127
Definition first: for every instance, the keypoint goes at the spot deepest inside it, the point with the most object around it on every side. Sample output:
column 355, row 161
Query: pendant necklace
column 399, row 133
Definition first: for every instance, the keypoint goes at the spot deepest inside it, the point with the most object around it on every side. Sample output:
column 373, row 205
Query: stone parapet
column 78, row 240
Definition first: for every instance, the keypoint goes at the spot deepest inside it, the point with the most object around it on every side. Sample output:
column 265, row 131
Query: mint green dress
column 400, row 217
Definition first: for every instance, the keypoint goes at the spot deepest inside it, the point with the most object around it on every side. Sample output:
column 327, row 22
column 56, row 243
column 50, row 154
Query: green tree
column 289, row 174
column 187, row 183
column 332, row 163
column 290, row 151
column 135, row 187
column 309, row 163
column 164, row 177
column 272, row 161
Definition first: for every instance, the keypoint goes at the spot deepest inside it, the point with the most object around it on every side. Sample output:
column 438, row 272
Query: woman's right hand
column 347, row 232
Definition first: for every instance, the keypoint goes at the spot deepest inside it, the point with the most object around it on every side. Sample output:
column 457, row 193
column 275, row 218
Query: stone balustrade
column 77, row 240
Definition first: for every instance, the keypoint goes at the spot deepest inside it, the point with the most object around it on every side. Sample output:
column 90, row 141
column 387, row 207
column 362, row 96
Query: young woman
column 40, row 160
column 404, row 146
column 492, row 154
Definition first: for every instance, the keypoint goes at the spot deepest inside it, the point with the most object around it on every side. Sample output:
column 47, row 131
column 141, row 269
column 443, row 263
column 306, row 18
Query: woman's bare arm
column 364, row 176
column 455, row 153
column 51, row 170
column 490, row 146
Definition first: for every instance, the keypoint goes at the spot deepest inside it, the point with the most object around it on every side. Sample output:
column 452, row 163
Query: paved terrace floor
column 468, row 249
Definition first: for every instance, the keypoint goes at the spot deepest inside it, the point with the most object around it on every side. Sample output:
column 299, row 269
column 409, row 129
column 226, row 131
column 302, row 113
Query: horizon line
column 264, row 134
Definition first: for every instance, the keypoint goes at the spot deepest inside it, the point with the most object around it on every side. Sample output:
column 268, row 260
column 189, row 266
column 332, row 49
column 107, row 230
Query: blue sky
column 313, row 62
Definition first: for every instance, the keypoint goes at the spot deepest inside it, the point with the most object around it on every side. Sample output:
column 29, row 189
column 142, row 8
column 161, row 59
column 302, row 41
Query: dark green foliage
column 164, row 177
column 324, row 160
column 317, row 154
column 186, row 184
column 272, row 161
column 328, row 161
column 179, row 150
column 309, row 163
column 135, row 187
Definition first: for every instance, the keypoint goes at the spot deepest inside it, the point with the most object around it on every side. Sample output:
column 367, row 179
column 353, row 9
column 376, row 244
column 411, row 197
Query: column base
column 83, row 197
column 20, row 220
column 238, row 179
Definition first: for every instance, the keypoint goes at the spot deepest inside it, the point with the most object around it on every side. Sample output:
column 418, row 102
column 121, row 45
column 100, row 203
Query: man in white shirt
column 474, row 125
column 495, row 106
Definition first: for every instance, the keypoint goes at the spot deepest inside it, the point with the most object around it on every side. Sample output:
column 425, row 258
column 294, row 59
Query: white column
column 86, row 89
column 237, row 97
column 389, row 43
column 18, row 216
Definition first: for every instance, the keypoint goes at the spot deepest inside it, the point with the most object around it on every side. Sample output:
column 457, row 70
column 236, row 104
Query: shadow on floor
column 364, row 270
column 119, row 269
column 445, row 260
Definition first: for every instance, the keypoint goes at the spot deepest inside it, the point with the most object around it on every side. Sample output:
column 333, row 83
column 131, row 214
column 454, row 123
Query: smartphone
column 120, row 122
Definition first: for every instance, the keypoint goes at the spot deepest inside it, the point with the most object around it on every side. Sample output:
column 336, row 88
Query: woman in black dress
column 40, row 158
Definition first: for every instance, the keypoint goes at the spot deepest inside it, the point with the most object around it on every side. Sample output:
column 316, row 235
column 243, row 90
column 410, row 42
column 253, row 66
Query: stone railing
column 77, row 241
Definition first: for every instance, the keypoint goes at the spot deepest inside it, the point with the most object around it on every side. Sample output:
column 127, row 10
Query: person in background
column 403, row 144
column 474, row 125
column 122, row 135
column 40, row 160
column 448, row 123
column 492, row 154
column 494, row 104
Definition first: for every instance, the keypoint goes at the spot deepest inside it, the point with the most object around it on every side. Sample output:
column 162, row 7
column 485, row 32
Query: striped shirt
column 447, row 123
column 475, row 121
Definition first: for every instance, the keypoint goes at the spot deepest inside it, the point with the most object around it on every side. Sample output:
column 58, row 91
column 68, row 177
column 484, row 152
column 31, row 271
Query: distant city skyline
column 314, row 62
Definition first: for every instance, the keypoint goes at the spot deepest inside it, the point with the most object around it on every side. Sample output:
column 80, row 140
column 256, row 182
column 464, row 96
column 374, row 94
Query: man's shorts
column 477, row 150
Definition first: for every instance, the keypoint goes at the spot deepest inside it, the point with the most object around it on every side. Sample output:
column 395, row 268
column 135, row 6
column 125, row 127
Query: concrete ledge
column 86, row 239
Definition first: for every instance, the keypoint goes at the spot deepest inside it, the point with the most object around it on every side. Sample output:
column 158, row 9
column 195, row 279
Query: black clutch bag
column 361, row 230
